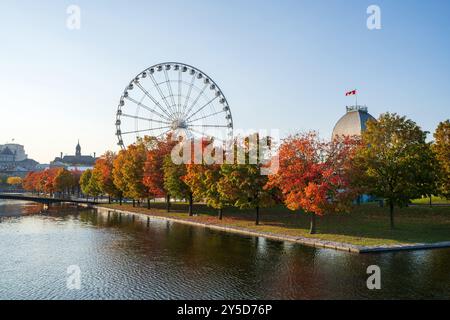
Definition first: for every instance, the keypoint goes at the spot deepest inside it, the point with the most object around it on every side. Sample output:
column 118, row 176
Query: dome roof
column 353, row 122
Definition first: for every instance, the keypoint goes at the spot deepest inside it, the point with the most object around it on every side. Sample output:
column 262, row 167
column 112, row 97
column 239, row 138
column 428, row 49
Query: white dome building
column 15, row 150
column 353, row 123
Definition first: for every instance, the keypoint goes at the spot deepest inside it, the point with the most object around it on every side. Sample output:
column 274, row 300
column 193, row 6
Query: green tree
column 242, row 183
column 441, row 148
column 174, row 183
column 85, row 180
column 395, row 161
column 3, row 179
column 94, row 184
column 90, row 183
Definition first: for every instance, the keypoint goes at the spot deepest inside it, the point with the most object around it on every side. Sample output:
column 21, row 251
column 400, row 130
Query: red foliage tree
column 153, row 178
column 315, row 175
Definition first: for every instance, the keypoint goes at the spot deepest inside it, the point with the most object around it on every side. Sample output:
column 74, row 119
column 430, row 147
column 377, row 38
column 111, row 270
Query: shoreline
column 311, row 242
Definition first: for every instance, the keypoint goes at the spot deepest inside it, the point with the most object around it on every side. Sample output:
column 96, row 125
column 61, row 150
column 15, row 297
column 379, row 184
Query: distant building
column 14, row 160
column 6, row 155
column 77, row 161
column 353, row 123
column 12, row 149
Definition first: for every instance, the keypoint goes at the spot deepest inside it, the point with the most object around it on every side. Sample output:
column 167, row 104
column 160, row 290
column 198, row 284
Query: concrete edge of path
column 279, row 237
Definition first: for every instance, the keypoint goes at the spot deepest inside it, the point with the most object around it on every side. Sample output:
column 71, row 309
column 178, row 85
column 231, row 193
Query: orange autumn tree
column 314, row 175
column 127, row 172
column 48, row 180
column 153, row 178
column 35, row 181
column 29, row 182
column 132, row 170
column 103, row 169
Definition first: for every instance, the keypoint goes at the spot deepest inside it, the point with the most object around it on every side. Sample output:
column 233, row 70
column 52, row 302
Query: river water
column 120, row 257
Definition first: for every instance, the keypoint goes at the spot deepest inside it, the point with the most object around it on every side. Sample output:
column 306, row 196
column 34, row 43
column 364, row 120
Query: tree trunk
column 109, row 199
column 430, row 200
column 312, row 229
column 257, row 215
column 191, row 213
column 168, row 202
column 220, row 213
column 391, row 213
column 134, row 203
column 120, row 200
column 148, row 203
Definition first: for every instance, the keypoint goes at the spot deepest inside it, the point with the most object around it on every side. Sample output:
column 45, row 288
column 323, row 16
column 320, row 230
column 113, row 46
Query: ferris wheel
column 173, row 98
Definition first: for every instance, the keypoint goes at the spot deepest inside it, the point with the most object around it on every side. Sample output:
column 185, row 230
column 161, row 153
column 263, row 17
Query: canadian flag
column 351, row 93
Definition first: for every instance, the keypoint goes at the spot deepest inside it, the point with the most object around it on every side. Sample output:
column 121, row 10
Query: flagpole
column 356, row 96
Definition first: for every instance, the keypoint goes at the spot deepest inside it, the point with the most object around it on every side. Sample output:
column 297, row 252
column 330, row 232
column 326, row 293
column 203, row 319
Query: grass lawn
column 366, row 225
column 434, row 200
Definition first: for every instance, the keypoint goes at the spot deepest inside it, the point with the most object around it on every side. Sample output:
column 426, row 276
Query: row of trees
column 53, row 180
column 392, row 160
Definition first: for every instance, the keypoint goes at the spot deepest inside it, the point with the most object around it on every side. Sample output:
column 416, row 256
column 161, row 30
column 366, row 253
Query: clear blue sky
column 281, row 64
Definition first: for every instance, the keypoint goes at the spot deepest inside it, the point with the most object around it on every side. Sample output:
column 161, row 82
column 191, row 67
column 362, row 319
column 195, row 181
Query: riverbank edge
column 311, row 242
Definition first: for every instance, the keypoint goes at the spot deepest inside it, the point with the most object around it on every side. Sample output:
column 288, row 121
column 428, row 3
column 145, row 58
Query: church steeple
column 78, row 149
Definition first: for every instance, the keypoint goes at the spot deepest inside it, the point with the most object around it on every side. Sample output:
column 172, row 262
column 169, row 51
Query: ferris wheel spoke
column 207, row 116
column 189, row 94
column 161, row 134
column 204, row 134
column 152, row 98
column 142, row 118
column 169, row 87
column 208, row 126
column 162, row 96
column 147, row 108
column 204, row 106
column 196, row 99
column 144, row 130
column 179, row 91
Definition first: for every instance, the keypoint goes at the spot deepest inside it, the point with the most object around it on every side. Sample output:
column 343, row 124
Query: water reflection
column 13, row 208
column 133, row 257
